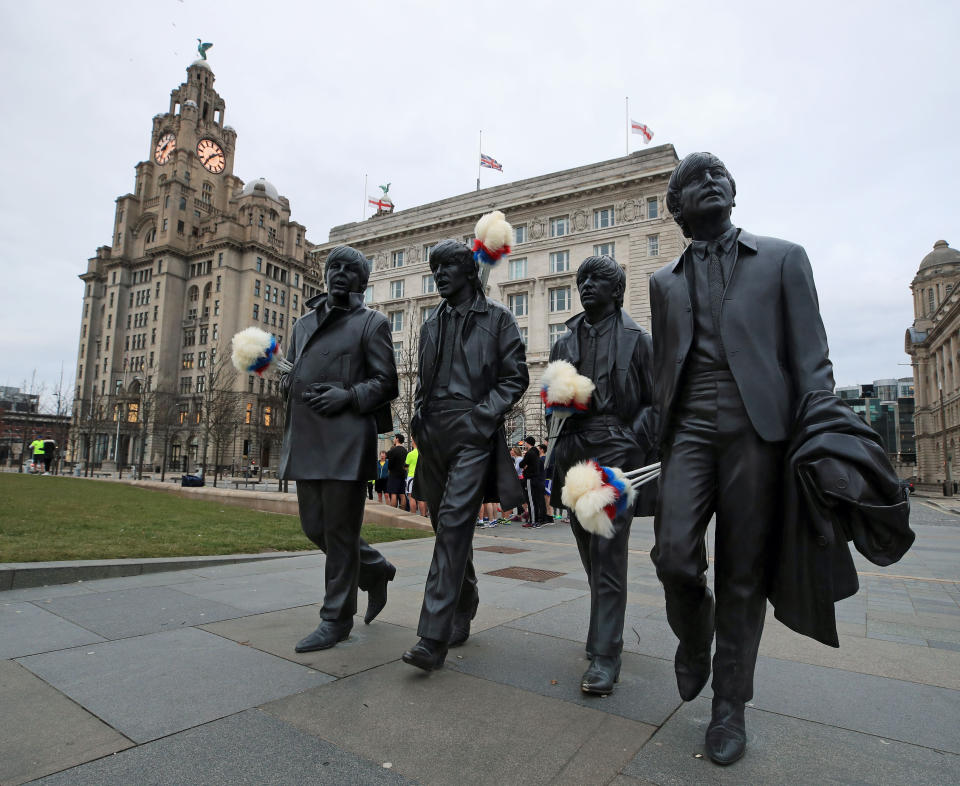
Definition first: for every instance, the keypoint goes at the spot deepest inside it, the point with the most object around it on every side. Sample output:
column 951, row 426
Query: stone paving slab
column 135, row 612
column 866, row 656
column 448, row 727
column 277, row 632
column 891, row 709
column 784, row 750
column 247, row 749
column 553, row 668
column 255, row 593
column 28, row 629
column 43, row 731
column 150, row 686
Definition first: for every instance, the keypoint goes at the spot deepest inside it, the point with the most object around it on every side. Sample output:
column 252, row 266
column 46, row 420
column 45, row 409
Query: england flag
column 640, row 128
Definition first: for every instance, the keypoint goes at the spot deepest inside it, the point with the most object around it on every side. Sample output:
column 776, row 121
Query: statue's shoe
column 426, row 654
column 726, row 739
column 325, row 636
column 377, row 595
column 599, row 679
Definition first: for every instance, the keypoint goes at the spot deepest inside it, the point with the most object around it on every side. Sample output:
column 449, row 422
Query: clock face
column 165, row 147
column 211, row 156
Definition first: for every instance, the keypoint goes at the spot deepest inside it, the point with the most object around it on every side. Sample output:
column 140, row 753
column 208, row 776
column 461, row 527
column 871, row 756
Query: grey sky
column 838, row 121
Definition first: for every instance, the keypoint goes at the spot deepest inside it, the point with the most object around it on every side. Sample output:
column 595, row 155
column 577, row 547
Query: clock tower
column 196, row 256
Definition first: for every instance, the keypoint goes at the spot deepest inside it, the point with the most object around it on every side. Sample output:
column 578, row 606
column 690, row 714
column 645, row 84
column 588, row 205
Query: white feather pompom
column 583, row 388
column 493, row 231
column 559, row 380
column 248, row 346
column 591, row 514
column 581, row 479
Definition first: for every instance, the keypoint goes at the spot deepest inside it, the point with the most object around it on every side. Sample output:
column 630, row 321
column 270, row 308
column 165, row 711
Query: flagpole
column 628, row 126
column 364, row 197
column 479, row 158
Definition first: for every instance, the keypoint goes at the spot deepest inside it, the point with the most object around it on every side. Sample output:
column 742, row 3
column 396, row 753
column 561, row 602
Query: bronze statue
column 339, row 390
column 738, row 340
column 472, row 369
column 609, row 348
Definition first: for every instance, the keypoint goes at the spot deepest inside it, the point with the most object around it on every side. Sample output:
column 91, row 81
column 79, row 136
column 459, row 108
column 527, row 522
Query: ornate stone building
column 195, row 256
column 933, row 343
column 614, row 207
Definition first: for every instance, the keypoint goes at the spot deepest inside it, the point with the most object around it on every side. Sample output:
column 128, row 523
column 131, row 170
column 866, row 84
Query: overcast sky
column 839, row 121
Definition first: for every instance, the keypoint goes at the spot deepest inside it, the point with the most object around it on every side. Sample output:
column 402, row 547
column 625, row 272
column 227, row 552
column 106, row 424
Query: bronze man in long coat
column 344, row 377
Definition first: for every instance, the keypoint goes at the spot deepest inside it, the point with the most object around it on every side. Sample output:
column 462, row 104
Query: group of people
column 42, row 453
column 737, row 342
column 396, row 470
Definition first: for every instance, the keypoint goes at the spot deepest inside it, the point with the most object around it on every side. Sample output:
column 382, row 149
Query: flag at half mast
column 640, row 128
column 490, row 163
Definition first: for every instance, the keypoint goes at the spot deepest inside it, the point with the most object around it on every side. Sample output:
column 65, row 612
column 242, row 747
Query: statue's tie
column 715, row 280
column 446, row 351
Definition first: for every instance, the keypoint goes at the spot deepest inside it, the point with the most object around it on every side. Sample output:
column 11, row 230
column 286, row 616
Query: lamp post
column 948, row 483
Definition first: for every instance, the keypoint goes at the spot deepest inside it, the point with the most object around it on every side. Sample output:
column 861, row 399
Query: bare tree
column 90, row 420
column 165, row 422
column 406, row 353
column 221, row 409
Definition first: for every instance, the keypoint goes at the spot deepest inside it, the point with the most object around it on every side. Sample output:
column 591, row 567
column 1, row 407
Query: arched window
column 206, row 291
column 194, row 294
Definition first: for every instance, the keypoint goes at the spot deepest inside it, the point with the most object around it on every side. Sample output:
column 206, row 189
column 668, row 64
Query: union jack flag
column 640, row 128
column 490, row 162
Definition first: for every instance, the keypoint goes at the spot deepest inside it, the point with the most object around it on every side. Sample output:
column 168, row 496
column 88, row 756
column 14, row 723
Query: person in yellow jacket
column 37, row 447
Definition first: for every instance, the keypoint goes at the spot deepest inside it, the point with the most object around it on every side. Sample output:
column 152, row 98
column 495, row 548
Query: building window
column 555, row 332
column 256, row 311
column 517, row 304
column 396, row 321
column 218, row 285
column 216, row 333
column 266, row 316
column 397, row 259
column 523, row 336
column 425, row 312
column 165, row 225
column 396, row 289
column 559, row 261
column 216, row 308
column 560, row 299
column 652, row 209
column 559, row 226
column 200, row 384
column 296, row 280
column 520, row 234
column 427, row 284
column 186, row 384
column 368, row 293
column 259, row 265
column 604, row 250
column 183, row 203
column 179, row 227
column 653, row 245
column 201, row 360
column 428, row 250
column 603, row 218
column 283, row 297
column 397, row 352
column 256, row 288
column 266, row 293
column 517, row 269
column 931, row 306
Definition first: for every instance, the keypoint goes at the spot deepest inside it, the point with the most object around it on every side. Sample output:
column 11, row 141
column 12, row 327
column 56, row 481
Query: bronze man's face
column 452, row 277
column 597, row 290
column 707, row 192
column 343, row 276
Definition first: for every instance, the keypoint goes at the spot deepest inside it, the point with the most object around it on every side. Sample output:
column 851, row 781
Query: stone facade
column 196, row 255
column 615, row 207
column 933, row 343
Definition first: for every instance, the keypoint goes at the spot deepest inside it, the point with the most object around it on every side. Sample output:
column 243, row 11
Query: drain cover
column 501, row 549
column 526, row 574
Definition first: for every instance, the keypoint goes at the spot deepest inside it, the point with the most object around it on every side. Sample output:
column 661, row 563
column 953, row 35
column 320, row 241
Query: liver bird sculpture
column 202, row 49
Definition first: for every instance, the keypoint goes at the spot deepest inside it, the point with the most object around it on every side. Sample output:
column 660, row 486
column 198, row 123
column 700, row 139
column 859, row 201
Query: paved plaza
column 189, row 677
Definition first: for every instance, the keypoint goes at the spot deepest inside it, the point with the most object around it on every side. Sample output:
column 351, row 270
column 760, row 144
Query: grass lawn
column 60, row 518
